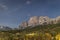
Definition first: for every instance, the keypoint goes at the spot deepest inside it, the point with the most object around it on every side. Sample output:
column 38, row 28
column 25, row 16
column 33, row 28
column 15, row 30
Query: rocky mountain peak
column 41, row 20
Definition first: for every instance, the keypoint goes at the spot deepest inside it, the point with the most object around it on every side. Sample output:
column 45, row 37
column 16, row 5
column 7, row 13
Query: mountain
column 33, row 21
column 40, row 20
column 5, row 28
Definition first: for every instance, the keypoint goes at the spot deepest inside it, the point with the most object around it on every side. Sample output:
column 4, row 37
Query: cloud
column 3, row 10
column 29, row 15
column 28, row 2
column 3, row 7
column 15, row 9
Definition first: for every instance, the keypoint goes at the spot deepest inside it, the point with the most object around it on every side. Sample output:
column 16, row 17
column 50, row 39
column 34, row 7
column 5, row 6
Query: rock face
column 23, row 25
column 42, row 20
column 53, row 21
column 33, row 21
column 58, row 19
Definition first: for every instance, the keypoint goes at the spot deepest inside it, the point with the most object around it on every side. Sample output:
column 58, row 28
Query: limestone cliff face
column 42, row 20
column 53, row 21
column 24, row 24
column 58, row 19
column 33, row 21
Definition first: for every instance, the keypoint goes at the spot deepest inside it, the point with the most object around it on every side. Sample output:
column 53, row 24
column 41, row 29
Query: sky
column 13, row 12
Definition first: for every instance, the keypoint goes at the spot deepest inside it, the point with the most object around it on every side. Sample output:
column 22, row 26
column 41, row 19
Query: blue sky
column 13, row 12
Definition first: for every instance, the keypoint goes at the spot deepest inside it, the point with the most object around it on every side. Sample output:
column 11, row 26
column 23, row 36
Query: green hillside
column 43, row 28
column 40, row 32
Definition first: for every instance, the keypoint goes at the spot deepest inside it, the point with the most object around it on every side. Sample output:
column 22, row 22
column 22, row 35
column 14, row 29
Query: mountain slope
column 42, row 28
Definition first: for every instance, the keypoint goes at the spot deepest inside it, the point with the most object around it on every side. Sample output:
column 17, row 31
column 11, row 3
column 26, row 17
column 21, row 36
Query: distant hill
column 5, row 28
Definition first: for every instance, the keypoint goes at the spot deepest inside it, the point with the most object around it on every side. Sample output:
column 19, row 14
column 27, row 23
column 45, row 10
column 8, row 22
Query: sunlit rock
column 23, row 25
column 58, row 19
column 44, row 20
column 33, row 21
column 53, row 21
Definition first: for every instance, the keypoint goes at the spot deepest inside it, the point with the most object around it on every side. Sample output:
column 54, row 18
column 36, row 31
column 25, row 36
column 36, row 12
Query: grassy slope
column 39, row 28
column 42, row 28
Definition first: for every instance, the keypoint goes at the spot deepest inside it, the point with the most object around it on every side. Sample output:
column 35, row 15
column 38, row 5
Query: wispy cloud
column 3, row 10
column 28, row 2
column 3, row 7
column 15, row 9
